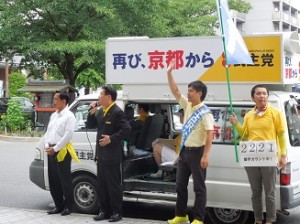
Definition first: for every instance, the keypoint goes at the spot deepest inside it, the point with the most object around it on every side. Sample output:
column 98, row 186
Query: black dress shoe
column 99, row 217
column 66, row 211
column 115, row 218
column 56, row 210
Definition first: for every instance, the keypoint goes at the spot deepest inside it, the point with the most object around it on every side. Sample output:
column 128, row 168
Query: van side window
column 293, row 122
column 222, row 128
column 223, row 132
column 81, row 111
column 175, row 117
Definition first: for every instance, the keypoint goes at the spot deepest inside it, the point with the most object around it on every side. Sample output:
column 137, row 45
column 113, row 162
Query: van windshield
column 293, row 122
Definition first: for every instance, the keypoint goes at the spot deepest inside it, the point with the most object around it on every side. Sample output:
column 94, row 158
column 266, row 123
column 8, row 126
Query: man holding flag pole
column 235, row 49
column 263, row 124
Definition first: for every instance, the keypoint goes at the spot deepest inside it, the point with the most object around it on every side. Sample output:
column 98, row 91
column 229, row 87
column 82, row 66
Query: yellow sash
column 63, row 152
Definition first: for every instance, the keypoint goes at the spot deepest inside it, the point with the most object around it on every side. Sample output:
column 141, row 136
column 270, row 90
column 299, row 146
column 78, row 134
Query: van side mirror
column 298, row 101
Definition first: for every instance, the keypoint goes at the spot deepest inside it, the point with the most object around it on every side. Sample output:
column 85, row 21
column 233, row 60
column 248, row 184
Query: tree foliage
column 16, row 81
column 70, row 35
column 15, row 120
column 90, row 79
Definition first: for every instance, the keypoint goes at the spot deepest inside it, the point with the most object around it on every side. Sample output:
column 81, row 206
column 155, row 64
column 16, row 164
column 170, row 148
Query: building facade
column 269, row 16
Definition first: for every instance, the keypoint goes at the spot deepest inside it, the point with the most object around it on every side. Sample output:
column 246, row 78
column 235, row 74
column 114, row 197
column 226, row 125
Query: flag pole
column 228, row 81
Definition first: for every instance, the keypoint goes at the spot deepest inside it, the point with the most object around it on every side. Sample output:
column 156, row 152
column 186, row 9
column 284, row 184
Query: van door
column 290, row 177
column 85, row 172
column 227, row 182
column 84, row 139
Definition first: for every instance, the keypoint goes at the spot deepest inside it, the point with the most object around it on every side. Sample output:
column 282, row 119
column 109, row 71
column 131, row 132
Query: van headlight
column 38, row 155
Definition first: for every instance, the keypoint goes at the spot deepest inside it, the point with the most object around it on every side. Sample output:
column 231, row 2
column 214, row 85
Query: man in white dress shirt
column 60, row 153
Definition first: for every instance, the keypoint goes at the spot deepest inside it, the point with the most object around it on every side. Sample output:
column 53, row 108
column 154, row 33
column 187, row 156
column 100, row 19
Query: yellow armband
column 63, row 152
column 282, row 144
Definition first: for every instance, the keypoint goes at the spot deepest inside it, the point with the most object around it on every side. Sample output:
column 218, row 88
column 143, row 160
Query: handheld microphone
column 95, row 105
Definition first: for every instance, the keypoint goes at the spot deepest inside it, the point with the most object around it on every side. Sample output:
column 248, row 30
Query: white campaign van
column 140, row 65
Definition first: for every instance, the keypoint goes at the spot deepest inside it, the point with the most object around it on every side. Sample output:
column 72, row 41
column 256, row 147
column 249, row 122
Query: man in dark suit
column 112, row 129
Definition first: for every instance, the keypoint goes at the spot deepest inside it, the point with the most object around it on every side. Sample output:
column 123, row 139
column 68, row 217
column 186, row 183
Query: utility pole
column 6, row 78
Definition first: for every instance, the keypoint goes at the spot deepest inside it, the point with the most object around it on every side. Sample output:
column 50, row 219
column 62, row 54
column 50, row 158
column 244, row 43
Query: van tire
column 85, row 194
column 227, row 216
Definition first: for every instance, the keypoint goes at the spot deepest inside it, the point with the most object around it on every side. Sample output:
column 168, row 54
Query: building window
column 276, row 6
column 276, row 26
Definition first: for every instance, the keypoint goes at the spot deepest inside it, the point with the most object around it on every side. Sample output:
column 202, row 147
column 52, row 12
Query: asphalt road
column 16, row 190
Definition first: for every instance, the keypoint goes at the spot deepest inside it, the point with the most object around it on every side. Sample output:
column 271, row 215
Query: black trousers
column 189, row 163
column 60, row 180
column 110, row 190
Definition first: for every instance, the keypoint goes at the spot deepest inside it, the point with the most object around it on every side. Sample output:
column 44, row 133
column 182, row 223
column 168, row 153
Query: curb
column 31, row 216
column 19, row 138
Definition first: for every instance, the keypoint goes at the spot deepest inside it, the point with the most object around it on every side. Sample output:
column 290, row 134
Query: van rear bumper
column 36, row 173
column 288, row 198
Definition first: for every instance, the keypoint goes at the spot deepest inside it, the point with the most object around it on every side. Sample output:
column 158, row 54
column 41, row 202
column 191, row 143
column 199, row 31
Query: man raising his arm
column 197, row 135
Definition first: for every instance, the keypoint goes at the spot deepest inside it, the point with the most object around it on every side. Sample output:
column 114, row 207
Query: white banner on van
column 145, row 60
column 142, row 60
column 258, row 153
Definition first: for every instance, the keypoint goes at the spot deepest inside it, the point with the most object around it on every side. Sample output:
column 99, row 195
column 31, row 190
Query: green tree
column 15, row 120
column 90, row 79
column 16, row 81
column 198, row 18
column 70, row 35
column 67, row 34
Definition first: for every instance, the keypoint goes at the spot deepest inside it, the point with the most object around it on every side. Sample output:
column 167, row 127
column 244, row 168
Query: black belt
column 194, row 148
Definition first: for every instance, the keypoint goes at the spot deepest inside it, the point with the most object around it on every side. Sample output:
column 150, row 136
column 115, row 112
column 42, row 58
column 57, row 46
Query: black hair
column 110, row 91
column 181, row 111
column 144, row 106
column 199, row 87
column 64, row 95
column 256, row 87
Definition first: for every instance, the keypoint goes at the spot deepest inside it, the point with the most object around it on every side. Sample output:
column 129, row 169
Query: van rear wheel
column 85, row 194
column 227, row 216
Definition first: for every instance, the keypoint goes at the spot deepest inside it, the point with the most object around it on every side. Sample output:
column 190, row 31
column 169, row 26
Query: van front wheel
column 227, row 216
column 85, row 194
